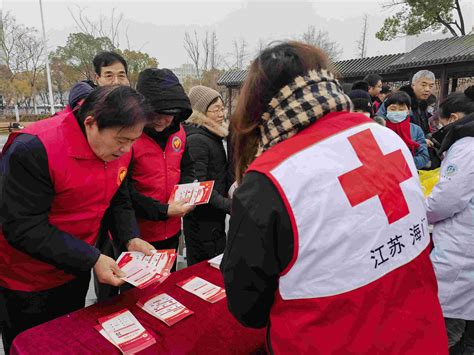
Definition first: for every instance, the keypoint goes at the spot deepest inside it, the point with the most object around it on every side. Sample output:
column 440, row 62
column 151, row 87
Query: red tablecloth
column 210, row 330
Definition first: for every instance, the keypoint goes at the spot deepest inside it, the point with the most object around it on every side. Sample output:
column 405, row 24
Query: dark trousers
column 198, row 250
column 29, row 309
column 107, row 247
column 460, row 336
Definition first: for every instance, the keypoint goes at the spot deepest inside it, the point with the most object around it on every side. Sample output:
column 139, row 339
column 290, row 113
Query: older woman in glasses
column 204, row 227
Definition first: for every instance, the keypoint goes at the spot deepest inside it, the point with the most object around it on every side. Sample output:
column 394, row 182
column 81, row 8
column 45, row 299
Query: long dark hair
column 275, row 67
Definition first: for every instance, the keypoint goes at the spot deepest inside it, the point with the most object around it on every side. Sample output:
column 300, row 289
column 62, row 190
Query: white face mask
column 396, row 116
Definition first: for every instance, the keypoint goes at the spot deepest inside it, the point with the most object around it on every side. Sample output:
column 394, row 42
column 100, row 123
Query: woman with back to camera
column 319, row 247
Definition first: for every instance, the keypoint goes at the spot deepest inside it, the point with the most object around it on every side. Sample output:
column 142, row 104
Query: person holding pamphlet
column 328, row 239
column 204, row 227
column 58, row 176
column 161, row 160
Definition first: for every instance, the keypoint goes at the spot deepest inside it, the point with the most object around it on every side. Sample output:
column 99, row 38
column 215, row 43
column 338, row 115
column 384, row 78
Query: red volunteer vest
column 155, row 173
column 83, row 185
column 360, row 280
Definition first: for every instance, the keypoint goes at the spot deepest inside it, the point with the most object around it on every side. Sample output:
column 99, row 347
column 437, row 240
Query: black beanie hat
column 164, row 93
column 361, row 100
column 78, row 92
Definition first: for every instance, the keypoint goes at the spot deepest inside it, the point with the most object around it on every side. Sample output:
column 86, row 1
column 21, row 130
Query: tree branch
column 461, row 18
column 447, row 25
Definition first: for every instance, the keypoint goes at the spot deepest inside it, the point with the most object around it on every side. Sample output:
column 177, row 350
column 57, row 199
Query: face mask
column 430, row 110
column 396, row 116
column 367, row 114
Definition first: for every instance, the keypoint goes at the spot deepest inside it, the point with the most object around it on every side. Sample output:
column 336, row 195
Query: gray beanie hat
column 201, row 96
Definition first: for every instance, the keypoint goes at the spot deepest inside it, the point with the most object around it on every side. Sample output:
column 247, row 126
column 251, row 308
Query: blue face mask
column 397, row 116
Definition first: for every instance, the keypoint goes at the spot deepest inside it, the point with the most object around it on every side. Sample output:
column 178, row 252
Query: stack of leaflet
column 124, row 331
column 216, row 261
column 165, row 308
column 142, row 271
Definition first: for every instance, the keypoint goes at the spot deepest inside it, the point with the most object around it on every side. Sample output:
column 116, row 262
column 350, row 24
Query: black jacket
column 210, row 163
column 420, row 115
column 449, row 134
column 259, row 247
column 26, row 195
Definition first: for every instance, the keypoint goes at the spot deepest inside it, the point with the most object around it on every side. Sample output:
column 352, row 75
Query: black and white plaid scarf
column 299, row 104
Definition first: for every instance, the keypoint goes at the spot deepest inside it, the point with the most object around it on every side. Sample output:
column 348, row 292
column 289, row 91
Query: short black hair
column 361, row 100
column 104, row 59
column 386, row 89
column 458, row 102
column 372, row 79
column 398, row 98
column 115, row 106
column 361, row 85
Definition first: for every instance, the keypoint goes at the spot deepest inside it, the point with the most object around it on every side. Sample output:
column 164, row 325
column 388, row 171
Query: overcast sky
column 158, row 27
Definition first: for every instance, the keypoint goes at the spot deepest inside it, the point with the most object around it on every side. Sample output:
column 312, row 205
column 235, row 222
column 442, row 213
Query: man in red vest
column 58, row 178
column 161, row 159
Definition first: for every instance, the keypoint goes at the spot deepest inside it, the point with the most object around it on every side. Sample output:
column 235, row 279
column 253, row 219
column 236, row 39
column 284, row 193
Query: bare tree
column 240, row 52
column 11, row 34
column 261, row 45
column 20, row 52
column 206, row 47
column 32, row 48
column 362, row 42
column 191, row 45
column 321, row 39
column 103, row 27
column 214, row 54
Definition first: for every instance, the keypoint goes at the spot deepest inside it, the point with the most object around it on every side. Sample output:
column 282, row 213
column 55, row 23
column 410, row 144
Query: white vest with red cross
column 155, row 173
column 83, row 188
column 360, row 280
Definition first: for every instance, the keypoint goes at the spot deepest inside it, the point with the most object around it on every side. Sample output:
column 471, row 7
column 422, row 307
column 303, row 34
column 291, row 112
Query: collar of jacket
column 415, row 103
column 449, row 134
column 200, row 120
column 75, row 134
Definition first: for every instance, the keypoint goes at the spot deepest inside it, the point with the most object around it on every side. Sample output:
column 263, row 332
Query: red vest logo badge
column 176, row 143
column 122, row 173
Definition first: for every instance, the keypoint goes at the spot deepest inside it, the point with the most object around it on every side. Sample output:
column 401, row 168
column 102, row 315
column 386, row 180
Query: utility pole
column 48, row 71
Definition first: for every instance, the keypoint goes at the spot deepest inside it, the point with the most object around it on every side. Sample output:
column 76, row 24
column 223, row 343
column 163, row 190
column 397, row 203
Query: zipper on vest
column 166, row 186
column 105, row 182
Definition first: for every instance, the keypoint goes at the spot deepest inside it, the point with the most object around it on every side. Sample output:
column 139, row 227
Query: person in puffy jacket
column 398, row 120
column 204, row 227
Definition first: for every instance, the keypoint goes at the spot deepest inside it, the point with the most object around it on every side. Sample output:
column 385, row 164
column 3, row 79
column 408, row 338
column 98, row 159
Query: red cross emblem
column 380, row 175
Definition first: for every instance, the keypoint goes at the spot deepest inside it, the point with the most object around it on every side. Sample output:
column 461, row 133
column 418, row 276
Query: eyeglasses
column 111, row 77
column 218, row 110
